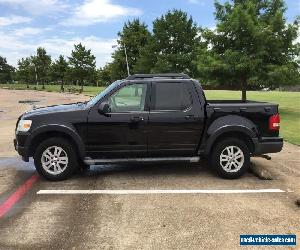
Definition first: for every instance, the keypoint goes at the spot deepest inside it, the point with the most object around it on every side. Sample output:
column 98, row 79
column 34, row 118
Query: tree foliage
column 134, row 36
column 25, row 71
column 59, row 70
column 173, row 45
column 252, row 43
column 82, row 63
column 104, row 75
column 42, row 63
column 6, row 70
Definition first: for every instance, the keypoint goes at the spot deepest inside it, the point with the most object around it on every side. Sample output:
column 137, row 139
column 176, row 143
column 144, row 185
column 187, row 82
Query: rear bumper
column 267, row 145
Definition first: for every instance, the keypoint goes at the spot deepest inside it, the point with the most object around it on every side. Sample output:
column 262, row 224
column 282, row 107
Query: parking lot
column 206, row 219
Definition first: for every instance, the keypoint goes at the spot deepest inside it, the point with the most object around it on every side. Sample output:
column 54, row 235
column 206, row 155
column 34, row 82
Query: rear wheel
column 230, row 158
column 55, row 159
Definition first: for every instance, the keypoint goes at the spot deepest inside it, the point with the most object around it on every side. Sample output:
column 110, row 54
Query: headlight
column 24, row 125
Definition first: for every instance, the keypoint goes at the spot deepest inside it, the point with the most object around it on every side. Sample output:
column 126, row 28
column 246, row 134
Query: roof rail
column 167, row 75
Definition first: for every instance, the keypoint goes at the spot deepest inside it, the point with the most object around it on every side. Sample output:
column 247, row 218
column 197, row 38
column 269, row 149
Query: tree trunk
column 244, row 88
column 62, row 85
column 43, row 84
column 27, row 85
column 81, row 86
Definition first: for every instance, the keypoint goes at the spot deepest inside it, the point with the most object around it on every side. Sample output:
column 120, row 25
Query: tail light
column 274, row 122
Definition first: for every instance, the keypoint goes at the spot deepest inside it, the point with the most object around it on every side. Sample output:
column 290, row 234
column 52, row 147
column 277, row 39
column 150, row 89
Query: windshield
column 95, row 99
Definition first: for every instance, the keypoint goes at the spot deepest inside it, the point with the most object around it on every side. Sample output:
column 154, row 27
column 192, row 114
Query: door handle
column 189, row 117
column 137, row 118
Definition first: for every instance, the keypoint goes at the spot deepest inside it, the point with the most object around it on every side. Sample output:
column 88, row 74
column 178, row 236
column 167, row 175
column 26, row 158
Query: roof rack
column 143, row 76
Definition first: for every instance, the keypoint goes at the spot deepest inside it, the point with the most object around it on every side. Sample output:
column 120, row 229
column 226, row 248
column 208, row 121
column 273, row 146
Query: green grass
column 289, row 104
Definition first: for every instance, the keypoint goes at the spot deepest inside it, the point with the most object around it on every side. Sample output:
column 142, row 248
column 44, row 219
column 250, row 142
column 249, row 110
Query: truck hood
column 55, row 109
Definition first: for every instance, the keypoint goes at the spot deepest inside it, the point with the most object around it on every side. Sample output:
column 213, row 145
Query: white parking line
column 163, row 191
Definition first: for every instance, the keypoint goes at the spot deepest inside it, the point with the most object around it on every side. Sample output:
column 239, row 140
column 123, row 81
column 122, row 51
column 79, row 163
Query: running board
column 90, row 161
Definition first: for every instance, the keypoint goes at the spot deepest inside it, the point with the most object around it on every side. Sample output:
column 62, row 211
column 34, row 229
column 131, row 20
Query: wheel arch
column 232, row 134
column 231, row 126
column 50, row 131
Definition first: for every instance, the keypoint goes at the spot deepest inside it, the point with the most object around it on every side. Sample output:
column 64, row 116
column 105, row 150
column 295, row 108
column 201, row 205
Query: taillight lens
column 274, row 122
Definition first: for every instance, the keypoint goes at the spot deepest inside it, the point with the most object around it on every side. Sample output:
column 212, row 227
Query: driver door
column 122, row 132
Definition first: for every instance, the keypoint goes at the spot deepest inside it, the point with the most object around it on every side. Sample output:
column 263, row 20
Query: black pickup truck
column 148, row 118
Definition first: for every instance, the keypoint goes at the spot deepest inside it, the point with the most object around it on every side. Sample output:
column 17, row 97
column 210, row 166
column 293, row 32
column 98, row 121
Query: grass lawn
column 289, row 104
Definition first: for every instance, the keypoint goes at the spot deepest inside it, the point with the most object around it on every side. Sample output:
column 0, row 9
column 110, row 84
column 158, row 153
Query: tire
column 226, row 164
column 55, row 159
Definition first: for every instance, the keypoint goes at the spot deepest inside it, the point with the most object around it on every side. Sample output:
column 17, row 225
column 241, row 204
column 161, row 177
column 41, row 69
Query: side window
column 129, row 98
column 171, row 96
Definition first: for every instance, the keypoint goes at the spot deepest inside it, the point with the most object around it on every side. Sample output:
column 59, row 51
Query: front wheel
column 230, row 158
column 55, row 159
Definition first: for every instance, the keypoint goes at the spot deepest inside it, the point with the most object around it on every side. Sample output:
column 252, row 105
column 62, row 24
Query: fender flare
column 69, row 130
column 227, row 124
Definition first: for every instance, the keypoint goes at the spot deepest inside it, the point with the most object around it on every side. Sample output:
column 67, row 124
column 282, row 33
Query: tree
column 173, row 45
column 6, row 70
column 42, row 63
column 252, row 43
column 82, row 63
column 59, row 70
column 104, row 75
column 25, row 70
column 147, row 58
column 134, row 37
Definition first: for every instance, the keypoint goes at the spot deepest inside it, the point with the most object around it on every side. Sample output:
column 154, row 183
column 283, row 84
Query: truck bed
column 256, row 112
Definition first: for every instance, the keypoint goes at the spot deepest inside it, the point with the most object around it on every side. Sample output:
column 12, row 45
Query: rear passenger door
column 176, row 119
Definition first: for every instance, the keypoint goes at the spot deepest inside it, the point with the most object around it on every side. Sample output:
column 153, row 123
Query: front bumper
column 267, row 145
column 22, row 150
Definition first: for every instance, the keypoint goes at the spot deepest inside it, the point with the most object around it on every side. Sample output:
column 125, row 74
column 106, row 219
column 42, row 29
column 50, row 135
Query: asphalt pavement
column 141, row 221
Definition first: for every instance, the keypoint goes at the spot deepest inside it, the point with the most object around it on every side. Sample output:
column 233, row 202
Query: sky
column 57, row 25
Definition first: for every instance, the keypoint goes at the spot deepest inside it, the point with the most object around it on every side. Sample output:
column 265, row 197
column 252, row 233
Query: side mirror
column 104, row 109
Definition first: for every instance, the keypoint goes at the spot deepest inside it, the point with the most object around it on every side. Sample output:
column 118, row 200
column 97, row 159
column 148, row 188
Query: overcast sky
column 57, row 24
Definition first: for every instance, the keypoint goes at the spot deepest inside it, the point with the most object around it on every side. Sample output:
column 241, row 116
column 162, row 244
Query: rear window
column 171, row 96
